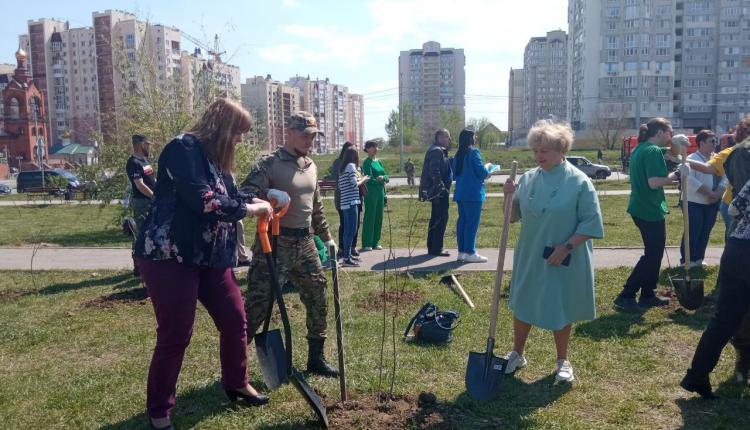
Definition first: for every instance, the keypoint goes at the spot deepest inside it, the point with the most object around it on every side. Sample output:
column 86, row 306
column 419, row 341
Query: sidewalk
column 54, row 258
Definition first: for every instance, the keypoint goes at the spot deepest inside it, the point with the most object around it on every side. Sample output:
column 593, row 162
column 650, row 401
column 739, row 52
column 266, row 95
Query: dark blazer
column 195, row 210
column 436, row 173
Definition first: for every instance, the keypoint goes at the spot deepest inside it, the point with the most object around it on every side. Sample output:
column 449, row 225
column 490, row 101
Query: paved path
column 54, row 258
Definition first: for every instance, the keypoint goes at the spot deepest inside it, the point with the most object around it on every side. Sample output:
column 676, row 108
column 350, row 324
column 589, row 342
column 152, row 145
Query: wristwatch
column 568, row 246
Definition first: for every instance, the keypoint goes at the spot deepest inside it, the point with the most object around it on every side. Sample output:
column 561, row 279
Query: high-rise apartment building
column 432, row 80
column 272, row 103
column 209, row 76
column 329, row 103
column 63, row 64
column 516, row 128
column 355, row 123
column 683, row 60
column 545, row 78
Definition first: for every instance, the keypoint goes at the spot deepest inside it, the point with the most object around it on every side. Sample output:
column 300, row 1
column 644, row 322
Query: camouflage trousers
column 297, row 261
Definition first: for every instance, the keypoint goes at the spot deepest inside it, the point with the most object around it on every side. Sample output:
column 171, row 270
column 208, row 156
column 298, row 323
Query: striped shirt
column 740, row 210
column 347, row 187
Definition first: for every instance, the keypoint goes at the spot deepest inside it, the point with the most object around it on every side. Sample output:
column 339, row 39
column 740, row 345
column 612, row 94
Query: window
column 130, row 41
column 15, row 109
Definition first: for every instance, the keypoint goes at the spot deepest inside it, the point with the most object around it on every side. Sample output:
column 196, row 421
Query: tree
column 610, row 124
column 451, row 119
column 409, row 124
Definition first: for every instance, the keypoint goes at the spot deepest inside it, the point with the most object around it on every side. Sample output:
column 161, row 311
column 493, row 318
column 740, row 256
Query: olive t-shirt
column 648, row 204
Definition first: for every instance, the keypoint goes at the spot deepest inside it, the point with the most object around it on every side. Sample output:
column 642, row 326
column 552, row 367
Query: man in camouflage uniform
column 288, row 175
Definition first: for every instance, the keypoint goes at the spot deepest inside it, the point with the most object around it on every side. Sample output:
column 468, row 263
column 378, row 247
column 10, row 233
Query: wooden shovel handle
column 501, row 254
column 686, row 225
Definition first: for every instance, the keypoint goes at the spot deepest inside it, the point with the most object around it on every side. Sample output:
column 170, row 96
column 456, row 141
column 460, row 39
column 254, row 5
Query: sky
column 355, row 43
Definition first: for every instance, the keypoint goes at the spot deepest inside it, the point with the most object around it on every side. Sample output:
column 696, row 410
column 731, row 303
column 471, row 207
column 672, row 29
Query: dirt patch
column 132, row 296
column 375, row 300
column 407, row 412
column 9, row 296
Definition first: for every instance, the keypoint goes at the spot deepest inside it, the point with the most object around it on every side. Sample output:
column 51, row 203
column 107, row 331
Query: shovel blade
column 271, row 358
column 689, row 291
column 315, row 402
column 484, row 373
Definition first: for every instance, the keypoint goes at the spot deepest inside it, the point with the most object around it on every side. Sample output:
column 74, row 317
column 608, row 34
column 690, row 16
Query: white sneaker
column 461, row 256
column 474, row 258
column 378, row 247
column 366, row 248
column 564, row 371
column 515, row 361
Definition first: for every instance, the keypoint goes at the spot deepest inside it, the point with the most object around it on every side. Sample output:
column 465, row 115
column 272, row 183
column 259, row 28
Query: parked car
column 33, row 179
column 4, row 189
column 593, row 171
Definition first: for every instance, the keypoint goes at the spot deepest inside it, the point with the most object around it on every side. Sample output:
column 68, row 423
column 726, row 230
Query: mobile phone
column 548, row 251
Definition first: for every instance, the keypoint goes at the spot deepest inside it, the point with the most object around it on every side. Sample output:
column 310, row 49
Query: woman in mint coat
column 552, row 284
column 372, row 222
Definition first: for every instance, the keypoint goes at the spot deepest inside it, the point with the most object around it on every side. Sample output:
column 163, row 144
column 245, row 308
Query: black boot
column 316, row 360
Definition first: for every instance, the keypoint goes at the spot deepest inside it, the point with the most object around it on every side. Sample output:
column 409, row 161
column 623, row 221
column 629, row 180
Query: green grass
column 524, row 156
column 95, row 226
column 70, row 362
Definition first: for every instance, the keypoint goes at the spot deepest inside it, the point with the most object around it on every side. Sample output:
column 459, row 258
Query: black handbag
column 432, row 325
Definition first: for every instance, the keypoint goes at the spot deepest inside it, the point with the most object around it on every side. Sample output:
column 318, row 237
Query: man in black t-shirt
column 142, row 181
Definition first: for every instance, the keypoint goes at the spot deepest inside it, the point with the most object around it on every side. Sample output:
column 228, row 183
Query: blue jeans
column 350, row 222
column 702, row 219
column 467, row 225
column 724, row 210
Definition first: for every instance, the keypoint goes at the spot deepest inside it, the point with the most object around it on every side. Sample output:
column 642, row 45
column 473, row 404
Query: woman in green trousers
column 372, row 223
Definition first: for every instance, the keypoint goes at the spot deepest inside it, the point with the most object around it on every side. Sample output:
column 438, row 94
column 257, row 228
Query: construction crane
column 210, row 51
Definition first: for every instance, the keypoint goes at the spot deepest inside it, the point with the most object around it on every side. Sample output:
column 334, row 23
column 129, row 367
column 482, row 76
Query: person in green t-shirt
column 648, row 207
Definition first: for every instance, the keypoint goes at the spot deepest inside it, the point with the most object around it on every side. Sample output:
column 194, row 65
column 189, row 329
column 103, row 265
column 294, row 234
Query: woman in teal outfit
column 553, row 272
column 372, row 222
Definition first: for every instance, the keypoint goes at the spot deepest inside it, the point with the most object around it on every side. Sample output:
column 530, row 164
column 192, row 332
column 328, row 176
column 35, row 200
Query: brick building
column 23, row 118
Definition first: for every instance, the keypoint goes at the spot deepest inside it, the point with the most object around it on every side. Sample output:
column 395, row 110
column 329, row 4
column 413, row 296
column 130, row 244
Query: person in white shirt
column 703, row 194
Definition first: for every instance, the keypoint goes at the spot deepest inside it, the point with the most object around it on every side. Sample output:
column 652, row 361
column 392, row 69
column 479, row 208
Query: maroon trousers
column 175, row 289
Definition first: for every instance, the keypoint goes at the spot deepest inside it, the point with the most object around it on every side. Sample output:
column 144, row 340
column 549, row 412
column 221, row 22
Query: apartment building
column 684, row 60
column 330, row 103
column 272, row 103
column 355, row 123
column 205, row 77
column 432, row 80
column 545, row 78
column 516, row 128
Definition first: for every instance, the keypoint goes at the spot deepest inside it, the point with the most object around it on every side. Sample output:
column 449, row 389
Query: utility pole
column 401, row 135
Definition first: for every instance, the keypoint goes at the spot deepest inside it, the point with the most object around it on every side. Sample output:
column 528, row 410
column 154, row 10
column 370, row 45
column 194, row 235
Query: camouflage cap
column 304, row 121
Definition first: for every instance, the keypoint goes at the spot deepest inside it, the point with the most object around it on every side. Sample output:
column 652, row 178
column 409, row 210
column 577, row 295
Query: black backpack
column 433, row 325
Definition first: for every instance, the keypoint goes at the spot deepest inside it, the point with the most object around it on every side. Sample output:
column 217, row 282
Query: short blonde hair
column 550, row 134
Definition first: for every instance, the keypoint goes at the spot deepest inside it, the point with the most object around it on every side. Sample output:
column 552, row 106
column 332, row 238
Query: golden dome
column 20, row 54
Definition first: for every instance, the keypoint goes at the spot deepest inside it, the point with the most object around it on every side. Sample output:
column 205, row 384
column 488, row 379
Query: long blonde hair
column 221, row 122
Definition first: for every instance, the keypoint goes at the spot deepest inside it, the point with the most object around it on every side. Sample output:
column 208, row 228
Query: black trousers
column 438, row 222
column 645, row 274
column 733, row 304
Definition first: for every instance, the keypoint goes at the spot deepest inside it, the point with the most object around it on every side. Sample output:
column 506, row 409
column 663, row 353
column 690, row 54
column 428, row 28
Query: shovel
column 339, row 329
column 294, row 375
column 689, row 291
column 268, row 344
column 485, row 371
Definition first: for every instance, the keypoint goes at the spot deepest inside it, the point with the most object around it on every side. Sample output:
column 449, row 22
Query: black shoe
column 703, row 387
column 349, row 263
column 243, row 263
column 627, row 305
column 153, row 427
column 251, row 400
column 440, row 254
column 316, row 360
column 355, row 258
column 653, row 301
column 355, row 253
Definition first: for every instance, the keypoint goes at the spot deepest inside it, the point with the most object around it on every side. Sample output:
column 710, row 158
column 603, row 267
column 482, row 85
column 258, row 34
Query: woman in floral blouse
column 186, row 250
